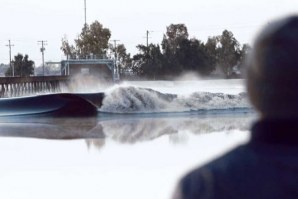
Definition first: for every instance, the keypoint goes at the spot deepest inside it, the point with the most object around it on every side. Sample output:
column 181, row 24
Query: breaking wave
column 143, row 100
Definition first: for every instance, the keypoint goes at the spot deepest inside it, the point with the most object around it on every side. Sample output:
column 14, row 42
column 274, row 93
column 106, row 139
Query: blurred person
column 267, row 166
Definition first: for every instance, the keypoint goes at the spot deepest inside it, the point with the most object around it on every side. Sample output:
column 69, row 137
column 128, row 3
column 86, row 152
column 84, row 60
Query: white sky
column 25, row 22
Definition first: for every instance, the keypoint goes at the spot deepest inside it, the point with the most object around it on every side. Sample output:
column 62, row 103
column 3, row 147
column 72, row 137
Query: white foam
column 130, row 99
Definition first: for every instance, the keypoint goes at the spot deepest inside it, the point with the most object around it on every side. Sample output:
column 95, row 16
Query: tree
column 22, row 66
column 92, row 41
column 228, row 52
column 183, row 54
column 148, row 62
column 192, row 55
column 175, row 34
column 212, row 50
column 68, row 49
column 173, row 39
column 171, row 65
column 123, row 58
column 246, row 48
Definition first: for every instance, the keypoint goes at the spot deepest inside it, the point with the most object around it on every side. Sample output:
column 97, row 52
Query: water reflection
column 133, row 130
column 97, row 143
column 124, row 129
column 49, row 128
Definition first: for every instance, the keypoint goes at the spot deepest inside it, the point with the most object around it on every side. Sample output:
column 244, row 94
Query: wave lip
column 142, row 100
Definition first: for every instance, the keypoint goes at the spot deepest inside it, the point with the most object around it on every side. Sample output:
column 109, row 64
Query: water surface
column 135, row 155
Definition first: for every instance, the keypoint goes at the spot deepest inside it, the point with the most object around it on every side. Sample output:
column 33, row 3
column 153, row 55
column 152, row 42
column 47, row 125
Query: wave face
column 58, row 105
column 143, row 100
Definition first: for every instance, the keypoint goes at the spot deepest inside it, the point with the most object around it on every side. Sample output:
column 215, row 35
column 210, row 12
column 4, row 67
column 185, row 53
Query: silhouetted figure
column 267, row 166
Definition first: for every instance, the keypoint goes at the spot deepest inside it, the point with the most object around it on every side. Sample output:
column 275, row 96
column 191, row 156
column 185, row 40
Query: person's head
column 272, row 70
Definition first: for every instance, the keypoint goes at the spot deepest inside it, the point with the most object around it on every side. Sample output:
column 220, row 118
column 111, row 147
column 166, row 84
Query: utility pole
column 147, row 37
column 85, row 9
column 42, row 49
column 115, row 47
column 12, row 67
column 115, row 51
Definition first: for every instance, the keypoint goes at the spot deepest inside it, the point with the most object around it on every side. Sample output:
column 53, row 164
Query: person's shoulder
column 240, row 157
column 220, row 174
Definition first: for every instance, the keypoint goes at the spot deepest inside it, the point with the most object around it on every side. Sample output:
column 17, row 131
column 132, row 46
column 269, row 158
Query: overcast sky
column 25, row 22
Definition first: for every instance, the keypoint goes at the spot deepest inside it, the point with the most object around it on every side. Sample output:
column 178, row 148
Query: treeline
column 21, row 66
column 177, row 54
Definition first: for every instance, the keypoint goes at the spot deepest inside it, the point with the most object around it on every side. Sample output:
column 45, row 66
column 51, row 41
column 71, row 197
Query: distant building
column 100, row 68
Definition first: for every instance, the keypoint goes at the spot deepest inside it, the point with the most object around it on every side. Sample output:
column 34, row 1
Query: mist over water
column 88, row 84
column 189, row 76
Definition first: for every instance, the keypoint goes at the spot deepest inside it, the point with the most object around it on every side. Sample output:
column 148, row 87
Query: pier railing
column 22, row 86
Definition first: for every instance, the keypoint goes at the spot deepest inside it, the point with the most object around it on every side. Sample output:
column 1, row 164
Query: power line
column 42, row 49
column 10, row 45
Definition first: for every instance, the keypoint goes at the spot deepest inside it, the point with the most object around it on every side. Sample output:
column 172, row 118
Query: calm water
column 128, row 155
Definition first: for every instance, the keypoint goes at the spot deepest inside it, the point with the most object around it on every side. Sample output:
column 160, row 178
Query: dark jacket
column 265, row 167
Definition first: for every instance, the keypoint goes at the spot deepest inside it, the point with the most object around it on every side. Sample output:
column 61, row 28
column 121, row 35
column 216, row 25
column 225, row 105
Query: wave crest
column 143, row 100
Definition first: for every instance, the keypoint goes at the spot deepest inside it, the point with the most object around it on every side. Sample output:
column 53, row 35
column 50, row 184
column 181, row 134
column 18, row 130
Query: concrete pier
column 24, row 86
